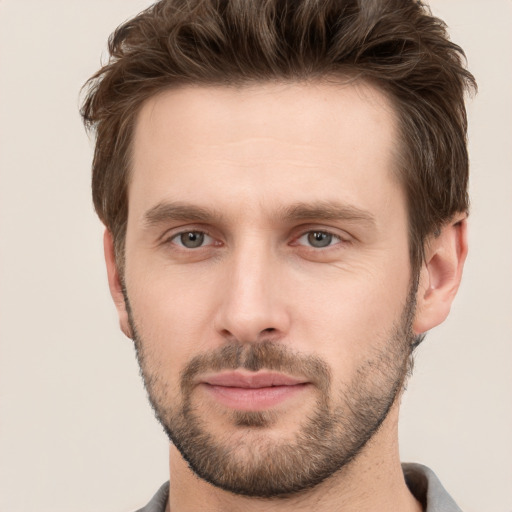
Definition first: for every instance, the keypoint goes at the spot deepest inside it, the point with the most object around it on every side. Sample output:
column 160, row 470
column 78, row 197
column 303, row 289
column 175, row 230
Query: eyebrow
column 316, row 210
column 326, row 210
column 164, row 212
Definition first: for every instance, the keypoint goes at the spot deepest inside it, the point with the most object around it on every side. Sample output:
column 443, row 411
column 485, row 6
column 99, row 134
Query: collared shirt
column 422, row 482
column 427, row 489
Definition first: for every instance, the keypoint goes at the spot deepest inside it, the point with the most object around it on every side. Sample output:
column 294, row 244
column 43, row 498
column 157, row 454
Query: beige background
column 75, row 431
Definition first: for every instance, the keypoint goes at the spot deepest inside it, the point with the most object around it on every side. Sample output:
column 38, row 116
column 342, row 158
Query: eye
column 192, row 239
column 318, row 239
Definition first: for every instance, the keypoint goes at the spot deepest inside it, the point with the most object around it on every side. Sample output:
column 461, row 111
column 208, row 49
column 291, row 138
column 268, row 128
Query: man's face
column 267, row 277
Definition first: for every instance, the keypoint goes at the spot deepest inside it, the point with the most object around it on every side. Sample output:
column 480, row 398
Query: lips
column 252, row 391
column 251, row 380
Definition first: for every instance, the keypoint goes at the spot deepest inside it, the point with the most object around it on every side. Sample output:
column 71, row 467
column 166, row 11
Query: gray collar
column 422, row 482
column 427, row 489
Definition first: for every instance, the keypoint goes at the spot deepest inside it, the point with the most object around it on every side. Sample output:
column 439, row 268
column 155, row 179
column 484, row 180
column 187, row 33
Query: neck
column 372, row 481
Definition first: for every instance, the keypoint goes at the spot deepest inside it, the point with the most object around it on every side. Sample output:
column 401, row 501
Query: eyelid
column 174, row 239
column 341, row 235
column 334, row 241
column 171, row 234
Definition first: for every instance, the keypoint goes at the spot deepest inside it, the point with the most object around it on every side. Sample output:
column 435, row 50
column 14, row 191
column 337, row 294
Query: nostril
column 268, row 330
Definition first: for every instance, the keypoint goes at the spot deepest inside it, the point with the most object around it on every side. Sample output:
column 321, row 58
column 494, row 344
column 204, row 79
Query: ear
column 114, row 283
column 440, row 274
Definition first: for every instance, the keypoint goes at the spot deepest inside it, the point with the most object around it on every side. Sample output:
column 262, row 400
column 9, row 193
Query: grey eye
column 319, row 239
column 191, row 239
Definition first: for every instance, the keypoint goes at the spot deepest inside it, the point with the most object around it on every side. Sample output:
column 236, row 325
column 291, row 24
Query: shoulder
column 427, row 489
column 158, row 502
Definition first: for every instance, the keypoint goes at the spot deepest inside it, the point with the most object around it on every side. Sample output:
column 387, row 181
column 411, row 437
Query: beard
column 254, row 463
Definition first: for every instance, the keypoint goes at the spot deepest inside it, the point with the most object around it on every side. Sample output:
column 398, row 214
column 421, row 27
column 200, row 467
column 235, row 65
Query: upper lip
column 249, row 380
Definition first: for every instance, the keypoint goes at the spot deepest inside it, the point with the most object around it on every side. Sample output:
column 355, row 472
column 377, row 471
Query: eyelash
column 332, row 236
column 172, row 239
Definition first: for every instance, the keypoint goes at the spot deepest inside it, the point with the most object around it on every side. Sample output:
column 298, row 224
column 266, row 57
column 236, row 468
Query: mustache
column 265, row 355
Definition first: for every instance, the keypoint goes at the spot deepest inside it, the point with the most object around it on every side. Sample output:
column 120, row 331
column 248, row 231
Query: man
column 284, row 190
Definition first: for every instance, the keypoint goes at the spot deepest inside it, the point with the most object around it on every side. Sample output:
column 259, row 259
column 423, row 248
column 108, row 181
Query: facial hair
column 328, row 439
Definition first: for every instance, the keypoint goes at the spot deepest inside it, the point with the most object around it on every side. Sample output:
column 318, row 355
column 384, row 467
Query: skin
column 246, row 155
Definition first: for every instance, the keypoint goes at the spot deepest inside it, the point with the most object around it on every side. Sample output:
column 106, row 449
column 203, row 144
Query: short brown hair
column 396, row 44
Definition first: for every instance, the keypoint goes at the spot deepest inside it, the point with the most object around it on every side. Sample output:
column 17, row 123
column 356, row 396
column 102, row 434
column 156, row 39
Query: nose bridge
column 251, row 304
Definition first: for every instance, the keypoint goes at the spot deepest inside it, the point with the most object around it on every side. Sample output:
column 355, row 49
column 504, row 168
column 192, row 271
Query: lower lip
column 254, row 399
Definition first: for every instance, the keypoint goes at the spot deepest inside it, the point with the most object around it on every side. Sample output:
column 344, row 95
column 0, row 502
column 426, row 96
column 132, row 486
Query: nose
column 252, row 304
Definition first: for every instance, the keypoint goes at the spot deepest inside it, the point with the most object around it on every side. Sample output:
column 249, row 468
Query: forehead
column 266, row 142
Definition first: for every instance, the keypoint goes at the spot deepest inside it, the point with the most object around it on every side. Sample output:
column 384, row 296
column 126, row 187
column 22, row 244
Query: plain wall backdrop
column 76, row 433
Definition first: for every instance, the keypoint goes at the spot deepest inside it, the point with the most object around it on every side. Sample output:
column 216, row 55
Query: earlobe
column 114, row 283
column 441, row 274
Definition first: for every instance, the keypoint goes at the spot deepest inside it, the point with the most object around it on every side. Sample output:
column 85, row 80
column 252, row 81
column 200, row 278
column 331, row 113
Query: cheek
column 347, row 316
column 340, row 313
column 172, row 311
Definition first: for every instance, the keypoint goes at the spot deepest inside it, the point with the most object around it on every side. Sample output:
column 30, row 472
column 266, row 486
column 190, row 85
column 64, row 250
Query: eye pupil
column 192, row 239
column 319, row 239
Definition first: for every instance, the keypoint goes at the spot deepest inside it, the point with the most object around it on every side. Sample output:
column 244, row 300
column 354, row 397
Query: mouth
column 249, row 391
